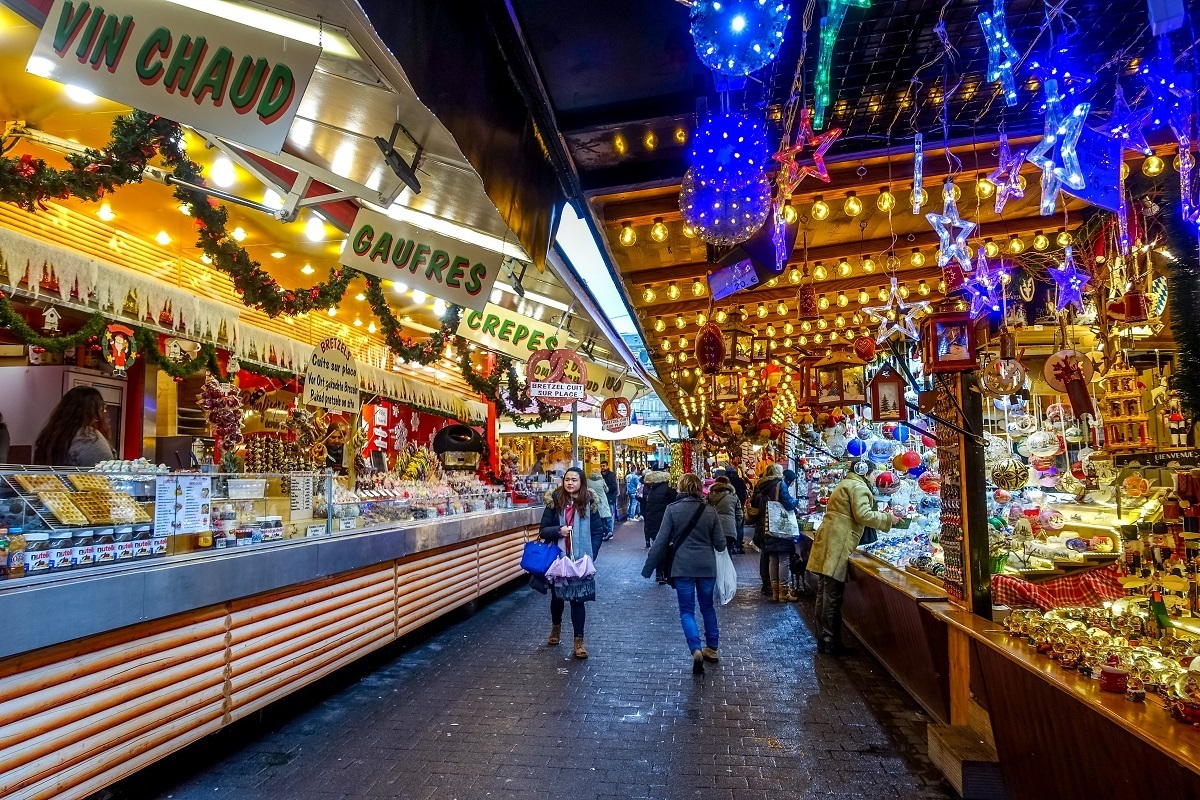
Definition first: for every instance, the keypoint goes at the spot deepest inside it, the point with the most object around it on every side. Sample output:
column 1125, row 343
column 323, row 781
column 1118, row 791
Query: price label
column 347, row 524
column 315, row 530
column 732, row 279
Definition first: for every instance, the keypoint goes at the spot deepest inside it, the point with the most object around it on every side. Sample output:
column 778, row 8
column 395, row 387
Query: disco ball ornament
column 880, row 451
column 856, row 447
column 738, row 37
column 888, row 483
column 1043, row 444
column 1010, row 474
column 930, row 482
column 729, row 148
column 725, row 213
column 710, row 349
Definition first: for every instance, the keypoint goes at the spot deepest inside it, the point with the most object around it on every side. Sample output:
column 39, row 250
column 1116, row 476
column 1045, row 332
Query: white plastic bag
column 726, row 577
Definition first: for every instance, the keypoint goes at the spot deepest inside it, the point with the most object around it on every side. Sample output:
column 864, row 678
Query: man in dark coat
column 657, row 494
column 610, row 486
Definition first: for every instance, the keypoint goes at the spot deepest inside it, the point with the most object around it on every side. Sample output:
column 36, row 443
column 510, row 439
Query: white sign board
column 517, row 335
column 180, row 62
column 331, row 380
column 438, row 265
column 556, row 391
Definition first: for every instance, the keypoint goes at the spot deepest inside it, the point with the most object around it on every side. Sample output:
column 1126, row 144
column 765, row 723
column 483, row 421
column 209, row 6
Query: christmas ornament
column 725, row 213
column 1043, row 444
column 984, row 287
column 119, row 347
column 887, row 483
column 952, row 231
column 1007, row 175
column 791, row 171
column 1059, row 145
column 880, row 451
column 1070, row 281
column 897, row 316
column 710, row 349
column 1010, row 474
column 856, row 448
column 930, row 483
column 1002, row 56
column 1070, row 372
column 50, row 319
column 738, row 37
column 1126, row 126
column 729, row 148
column 910, row 459
column 865, row 348
column 831, row 24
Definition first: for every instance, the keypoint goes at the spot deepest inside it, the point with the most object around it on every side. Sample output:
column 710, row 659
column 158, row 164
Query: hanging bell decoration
column 710, row 348
column 1137, row 307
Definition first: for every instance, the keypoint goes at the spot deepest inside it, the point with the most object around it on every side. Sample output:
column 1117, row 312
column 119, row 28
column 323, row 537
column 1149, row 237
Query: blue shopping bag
column 538, row 556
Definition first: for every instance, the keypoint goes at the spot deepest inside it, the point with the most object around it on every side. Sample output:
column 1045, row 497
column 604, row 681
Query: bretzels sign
column 615, row 413
column 563, row 384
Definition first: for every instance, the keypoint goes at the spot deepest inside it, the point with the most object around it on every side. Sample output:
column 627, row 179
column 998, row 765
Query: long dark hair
column 80, row 408
column 562, row 499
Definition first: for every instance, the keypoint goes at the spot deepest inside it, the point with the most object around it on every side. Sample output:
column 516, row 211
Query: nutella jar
column 158, row 544
column 37, row 552
column 106, row 546
column 124, row 540
column 143, row 546
column 62, row 550
column 83, row 553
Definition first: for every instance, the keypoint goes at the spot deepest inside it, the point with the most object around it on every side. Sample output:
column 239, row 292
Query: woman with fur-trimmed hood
column 572, row 520
column 657, row 494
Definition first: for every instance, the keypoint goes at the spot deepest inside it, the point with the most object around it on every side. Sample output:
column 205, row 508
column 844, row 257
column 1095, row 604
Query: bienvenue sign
column 331, row 381
column 203, row 70
column 458, row 272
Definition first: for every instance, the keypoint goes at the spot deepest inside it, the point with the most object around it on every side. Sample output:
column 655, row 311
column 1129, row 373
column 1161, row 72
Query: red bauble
column 710, row 349
column 889, row 430
column 864, row 348
column 887, row 482
column 930, row 482
column 910, row 459
column 928, row 441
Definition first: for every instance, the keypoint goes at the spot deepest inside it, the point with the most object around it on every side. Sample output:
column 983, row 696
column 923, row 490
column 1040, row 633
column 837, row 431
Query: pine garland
column 147, row 342
column 411, row 351
column 12, row 321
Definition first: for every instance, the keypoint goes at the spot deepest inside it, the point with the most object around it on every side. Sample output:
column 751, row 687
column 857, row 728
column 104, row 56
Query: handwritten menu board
column 301, row 497
column 182, row 504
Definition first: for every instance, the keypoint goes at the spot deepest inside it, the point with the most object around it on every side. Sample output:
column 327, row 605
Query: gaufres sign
column 179, row 62
column 455, row 271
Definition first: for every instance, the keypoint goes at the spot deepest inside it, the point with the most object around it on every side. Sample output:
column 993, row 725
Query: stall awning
column 589, row 427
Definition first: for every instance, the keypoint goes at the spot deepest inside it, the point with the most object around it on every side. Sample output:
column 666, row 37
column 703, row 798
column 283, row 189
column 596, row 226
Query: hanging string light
column 738, row 37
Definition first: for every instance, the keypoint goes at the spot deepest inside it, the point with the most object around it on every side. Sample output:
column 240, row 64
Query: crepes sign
column 180, row 62
column 456, row 271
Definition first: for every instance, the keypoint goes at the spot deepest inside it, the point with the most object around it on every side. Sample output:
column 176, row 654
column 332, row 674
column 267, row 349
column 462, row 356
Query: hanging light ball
column 697, row 289
column 991, row 248
column 689, row 232
column 984, row 188
column 628, row 236
column 730, row 147
column 853, row 206
column 672, row 291
column 1064, row 239
column 723, row 213
column 790, row 214
column 738, row 37
column 658, row 231
column 868, row 265
column 820, row 273
column 886, row 201
column 917, row 259
column 710, row 349
column 1040, row 241
column 648, row 295
column 1152, row 166
column 1016, row 245
column 820, row 210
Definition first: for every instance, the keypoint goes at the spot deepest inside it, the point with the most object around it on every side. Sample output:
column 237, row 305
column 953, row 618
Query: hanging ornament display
column 887, row 483
column 710, row 348
column 50, row 320
column 222, row 404
column 1010, row 474
column 119, row 347
column 831, row 25
column 1002, row 56
column 1006, row 177
column 729, row 147
column 865, row 348
column 1126, row 126
column 1056, row 153
column 918, row 192
column 722, row 213
column 791, row 171
column 1070, row 372
column 897, row 316
column 1070, row 281
column 952, row 232
column 738, row 37
column 984, row 287
column 806, row 302
column 930, row 483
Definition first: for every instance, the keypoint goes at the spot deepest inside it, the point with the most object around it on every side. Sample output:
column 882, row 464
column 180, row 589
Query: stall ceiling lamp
column 868, row 265
column 794, row 275
column 162, row 238
column 1040, row 241
column 782, row 308
column 853, row 206
column 650, row 140
column 627, row 236
column 819, row 272
column 418, row 296
column 672, row 291
column 239, row 234
column 820, row 209
column 697, row 289
column 886, row 200
column 721, row 316
column 790, row 214
column 222, row 173
column 277, row 254
column 658, row 231
column 648, row 295
column 761, row 311
column 688, row 231
column 332, row 311
column 917, row 259
column 1063, row 239
column 991, row 248
column 1152, row 166
column 844, row 268
column 106, row 213
column 1016, row 245
column 863, row 296
column 659, row 325
column 314, row 229
column 680, row 322
column 842, row 300
column 984, row 188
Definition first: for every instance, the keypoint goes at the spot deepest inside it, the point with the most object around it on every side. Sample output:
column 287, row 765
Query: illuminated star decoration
column 985, row 287
column 1070, row 282
column 1002, row 56
column 952, row 246
column 1171, row 96
column 1058, row 144
column 791, row 171
column 1006, row 177
column 1126, row 126
column 831, row 24
column 897, row 316
column 1063, row 67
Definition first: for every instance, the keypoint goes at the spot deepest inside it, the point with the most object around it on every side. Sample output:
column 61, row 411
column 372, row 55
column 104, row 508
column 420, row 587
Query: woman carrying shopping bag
column 686, row 552
column 572, row 512
column 775, row 561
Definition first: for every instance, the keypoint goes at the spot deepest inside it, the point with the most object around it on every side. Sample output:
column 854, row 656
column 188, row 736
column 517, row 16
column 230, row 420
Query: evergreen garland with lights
column 12, row 321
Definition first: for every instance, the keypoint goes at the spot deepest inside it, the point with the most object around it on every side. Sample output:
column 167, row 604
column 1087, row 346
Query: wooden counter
column 885, row 610
column 1058, row 736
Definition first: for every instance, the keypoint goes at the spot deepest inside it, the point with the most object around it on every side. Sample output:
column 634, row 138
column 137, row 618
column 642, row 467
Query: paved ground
column 482, row 708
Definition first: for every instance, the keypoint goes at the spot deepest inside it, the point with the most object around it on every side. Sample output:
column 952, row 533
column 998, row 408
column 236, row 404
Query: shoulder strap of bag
column 687, row 530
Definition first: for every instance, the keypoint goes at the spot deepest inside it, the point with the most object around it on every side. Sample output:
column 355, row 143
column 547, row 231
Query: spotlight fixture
column 404, row 171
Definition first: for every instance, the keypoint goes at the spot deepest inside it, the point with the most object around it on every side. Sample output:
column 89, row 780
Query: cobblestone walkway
column 482, row 708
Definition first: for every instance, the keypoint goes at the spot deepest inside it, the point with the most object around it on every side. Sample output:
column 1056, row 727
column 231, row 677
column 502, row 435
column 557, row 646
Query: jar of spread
column 16, row 552
column 3, row 553
column 143, row 545
column 159, row 543
column 124, row 539
column 62, row 550
column 83, row 553
column 37, row 552
column 204, row 540
column 106, row 546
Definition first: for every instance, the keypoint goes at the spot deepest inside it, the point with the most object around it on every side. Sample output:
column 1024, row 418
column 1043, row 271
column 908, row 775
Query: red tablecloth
column 1084, row 589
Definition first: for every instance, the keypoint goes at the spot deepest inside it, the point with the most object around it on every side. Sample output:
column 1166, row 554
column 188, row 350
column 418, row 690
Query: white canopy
column 588, row 426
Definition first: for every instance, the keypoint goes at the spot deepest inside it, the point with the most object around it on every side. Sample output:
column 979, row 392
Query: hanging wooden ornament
column 807, row 302
column 50, row 319
column 1070, row 372
column 119, row 347
column 887, row 396
column 865, row 348
column 710, row 349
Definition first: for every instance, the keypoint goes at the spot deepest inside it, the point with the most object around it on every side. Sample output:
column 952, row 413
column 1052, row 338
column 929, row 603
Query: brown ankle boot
column 555, row 635
column 580, row 650
column 776, row 591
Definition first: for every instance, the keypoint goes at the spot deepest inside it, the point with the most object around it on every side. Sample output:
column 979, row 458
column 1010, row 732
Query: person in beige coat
column 851, row 508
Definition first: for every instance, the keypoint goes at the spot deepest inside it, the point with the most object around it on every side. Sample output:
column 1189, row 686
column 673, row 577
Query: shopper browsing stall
column 597, row 486
column 76, row 434
column 572, row 512
column 775, row 560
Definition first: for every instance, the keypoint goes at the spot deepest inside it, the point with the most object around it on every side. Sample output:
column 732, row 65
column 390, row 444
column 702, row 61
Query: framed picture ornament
column 887, row 396
column 948, row 343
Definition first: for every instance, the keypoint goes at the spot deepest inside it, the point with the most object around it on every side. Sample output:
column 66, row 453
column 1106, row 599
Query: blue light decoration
column 985, row 287
column 1002, row 56
column 1064, row 68
column 896, row 316
column 1071, row 282
column 831, row 25
column 730, row 146
column 725, row 212
column 952, row 231
column 918, row 172
column 1006, row 177
column 1171, row 94
column 738, row 37
column 1058, row 145
column 1125, row 125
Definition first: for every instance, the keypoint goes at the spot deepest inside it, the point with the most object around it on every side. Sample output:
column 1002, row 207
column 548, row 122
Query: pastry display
column 61, row 505
column 34, row 482
column 90, row 483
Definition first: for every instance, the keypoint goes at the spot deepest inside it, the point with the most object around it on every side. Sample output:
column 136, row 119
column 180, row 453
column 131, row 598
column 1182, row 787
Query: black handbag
column 870, row 536
column 674, row 544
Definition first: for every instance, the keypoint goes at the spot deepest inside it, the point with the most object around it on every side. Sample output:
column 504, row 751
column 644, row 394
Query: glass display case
column 389, row 503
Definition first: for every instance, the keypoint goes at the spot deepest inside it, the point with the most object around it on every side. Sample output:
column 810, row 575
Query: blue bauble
column 918, row 471
column 901, row 433
column 730, row 146
column 856, row 447
column 881, row 451
column 738, row 37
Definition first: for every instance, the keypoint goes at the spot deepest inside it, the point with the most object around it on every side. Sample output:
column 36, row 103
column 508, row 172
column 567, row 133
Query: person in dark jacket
column 572, row 520
column 723, row 498
column 734, row 473
column 694, row 566
column 776, row 551
column 657, row 494
column 610, row 484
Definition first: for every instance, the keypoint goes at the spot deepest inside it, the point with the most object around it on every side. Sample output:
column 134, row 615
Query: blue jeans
column 687, row 590
column 634, row 508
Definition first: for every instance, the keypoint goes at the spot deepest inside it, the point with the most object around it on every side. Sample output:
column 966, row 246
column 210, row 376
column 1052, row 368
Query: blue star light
column 1062, row 67
column 1170, row 91
column 1058, row 145
column 1126, row 126
column 1002, row 56
column 953, row 246
column 1006, row 177
column 985, row 287
column 1070, row 282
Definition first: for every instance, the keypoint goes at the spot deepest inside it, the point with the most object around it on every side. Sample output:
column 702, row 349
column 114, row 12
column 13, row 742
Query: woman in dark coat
column 694, row 567
column 776, row 552
column 657, row 494
column 571, row 515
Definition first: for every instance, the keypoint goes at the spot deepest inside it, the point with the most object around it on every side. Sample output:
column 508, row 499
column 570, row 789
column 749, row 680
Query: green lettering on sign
column 215, row 78
column 247, row 83
column 362, row 240
column 281, row 90
column 149, row 68
column 69, row 23
column 114, row 36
